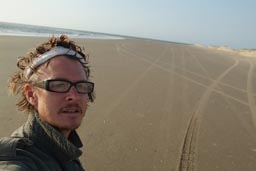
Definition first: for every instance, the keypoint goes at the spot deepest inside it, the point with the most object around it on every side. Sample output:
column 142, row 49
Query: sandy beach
column 159, row 107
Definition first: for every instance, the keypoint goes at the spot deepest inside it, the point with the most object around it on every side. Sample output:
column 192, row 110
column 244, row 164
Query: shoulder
column 16, row 166
column 20, row 153
column 15, row 155
column 9, row 159
column 8, row 145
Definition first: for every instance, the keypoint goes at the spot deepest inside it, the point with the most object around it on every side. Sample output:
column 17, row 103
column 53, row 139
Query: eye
column 82, row 87
column 59, row 85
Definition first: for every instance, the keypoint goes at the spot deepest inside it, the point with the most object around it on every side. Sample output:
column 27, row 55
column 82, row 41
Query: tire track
column 188, row 152
column 241, row 118
column 251, row 99
column 189, row 148
column 157, row 65
column 199, row 64
column 185, row 84
column 137, row 80
column 160, row 158
column 134, row 83
column 209, row 77
column 248, row 91
column 205, row 77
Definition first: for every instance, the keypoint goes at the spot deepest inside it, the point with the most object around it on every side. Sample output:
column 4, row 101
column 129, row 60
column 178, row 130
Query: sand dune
column 159, row 107
column 242, row 52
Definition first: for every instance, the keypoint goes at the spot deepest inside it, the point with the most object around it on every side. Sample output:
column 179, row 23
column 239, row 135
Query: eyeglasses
column 63, row 86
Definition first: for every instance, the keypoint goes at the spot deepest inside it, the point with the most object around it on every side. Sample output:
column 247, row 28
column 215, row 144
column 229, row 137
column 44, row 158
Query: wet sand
column 159, row 107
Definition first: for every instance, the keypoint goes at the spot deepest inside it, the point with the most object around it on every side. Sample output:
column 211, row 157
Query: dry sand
column 159, row 107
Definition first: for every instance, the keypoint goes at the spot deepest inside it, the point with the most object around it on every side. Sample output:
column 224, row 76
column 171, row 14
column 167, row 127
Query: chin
column 71, row 122
column 66, row 128
column 72, row 126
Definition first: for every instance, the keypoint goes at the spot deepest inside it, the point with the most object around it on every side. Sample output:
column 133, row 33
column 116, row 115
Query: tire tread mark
column 251, row 99
column 187, row 159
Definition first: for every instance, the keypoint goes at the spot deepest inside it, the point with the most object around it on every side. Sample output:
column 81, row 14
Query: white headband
column 56, row 51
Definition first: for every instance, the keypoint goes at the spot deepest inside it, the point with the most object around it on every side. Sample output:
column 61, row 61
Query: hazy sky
column 210, row 22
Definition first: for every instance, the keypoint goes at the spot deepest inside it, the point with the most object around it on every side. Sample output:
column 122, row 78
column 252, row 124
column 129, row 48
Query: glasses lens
column 84, row 87
column 59, row 86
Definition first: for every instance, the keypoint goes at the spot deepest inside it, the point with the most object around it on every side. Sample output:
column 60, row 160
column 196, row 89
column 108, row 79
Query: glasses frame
column 46, row 85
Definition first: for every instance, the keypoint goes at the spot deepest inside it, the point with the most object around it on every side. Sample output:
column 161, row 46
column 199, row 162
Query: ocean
column 14, row 29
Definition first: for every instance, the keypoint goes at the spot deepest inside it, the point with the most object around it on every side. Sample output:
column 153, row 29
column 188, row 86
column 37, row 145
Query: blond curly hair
column 19, row 79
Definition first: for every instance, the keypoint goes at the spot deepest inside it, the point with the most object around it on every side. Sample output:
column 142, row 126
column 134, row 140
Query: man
column 53, row 82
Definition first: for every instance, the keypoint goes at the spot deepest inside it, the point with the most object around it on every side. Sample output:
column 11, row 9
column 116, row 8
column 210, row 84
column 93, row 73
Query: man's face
column 64, row 111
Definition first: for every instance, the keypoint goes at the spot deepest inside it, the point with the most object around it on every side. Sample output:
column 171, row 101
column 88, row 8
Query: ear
column 30, row 95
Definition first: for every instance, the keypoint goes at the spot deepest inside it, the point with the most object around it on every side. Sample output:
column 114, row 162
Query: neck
column 65, row 133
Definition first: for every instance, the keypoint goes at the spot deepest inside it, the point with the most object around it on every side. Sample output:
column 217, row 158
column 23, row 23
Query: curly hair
column 19, row 79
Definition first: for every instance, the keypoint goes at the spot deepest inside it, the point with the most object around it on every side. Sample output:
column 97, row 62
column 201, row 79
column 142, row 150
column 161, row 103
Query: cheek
column 47, row 103
column 85, row 101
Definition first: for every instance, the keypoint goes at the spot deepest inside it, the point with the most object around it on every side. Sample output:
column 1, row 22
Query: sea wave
column 14, row 29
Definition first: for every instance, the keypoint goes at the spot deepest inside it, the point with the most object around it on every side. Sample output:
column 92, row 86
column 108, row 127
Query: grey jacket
column 37, row 146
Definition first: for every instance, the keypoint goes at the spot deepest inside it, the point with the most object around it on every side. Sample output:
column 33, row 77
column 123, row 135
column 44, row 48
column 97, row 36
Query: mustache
column 71, row 105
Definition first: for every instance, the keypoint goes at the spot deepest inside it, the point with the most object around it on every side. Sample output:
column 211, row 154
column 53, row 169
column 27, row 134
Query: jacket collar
column 51, row 141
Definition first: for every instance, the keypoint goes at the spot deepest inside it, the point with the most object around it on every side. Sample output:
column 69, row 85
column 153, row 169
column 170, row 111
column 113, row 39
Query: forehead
column 63, row 67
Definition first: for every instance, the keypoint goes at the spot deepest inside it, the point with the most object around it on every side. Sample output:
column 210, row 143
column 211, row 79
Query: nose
column 72, row 94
